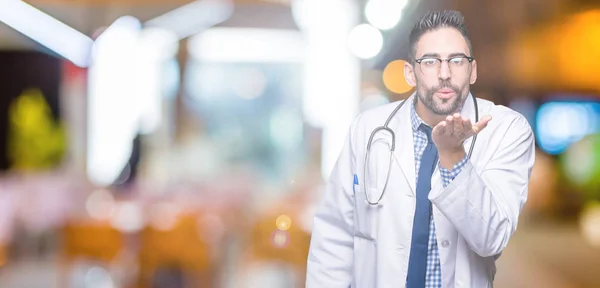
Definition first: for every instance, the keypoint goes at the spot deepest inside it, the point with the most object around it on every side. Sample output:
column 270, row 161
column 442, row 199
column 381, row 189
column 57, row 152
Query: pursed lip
column 445, row 93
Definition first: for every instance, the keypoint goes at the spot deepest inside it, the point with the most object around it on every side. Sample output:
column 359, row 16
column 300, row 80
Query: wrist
column 449, row 157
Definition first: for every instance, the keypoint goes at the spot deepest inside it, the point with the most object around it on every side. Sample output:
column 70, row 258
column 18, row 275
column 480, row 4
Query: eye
column 429, row 61
column 457, row 61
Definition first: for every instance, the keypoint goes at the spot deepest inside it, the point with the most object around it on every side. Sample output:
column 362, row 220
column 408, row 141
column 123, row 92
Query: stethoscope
column 393, row 147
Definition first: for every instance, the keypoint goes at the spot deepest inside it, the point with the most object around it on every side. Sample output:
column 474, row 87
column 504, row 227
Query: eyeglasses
column 432, row 65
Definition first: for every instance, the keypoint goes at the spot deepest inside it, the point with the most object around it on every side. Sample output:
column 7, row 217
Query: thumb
column 483, row 122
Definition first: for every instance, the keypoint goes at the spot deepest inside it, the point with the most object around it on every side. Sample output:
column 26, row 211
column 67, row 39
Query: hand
column 450, row 134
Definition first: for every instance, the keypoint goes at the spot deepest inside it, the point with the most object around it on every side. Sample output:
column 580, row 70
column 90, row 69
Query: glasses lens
column 457, row 65
column 430, row 66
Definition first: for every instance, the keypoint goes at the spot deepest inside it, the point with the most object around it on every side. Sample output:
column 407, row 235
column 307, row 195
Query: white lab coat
column 355, row 244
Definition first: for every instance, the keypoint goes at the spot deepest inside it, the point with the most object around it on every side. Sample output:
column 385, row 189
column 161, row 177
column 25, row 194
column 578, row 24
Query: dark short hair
column 434, row 20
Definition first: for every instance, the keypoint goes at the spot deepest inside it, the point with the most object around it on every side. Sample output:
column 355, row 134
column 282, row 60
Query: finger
column 440, row 128
column 467, row 126
column 477, row 127
column 458, row 125
column 449, row 125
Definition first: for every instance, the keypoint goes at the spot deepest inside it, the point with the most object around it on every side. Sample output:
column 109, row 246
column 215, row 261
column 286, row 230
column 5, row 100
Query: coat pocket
column 366, row 215
column 365, row 263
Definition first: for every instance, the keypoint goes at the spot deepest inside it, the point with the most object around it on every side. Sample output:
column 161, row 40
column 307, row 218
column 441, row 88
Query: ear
column 474, row 72
column 409, row 74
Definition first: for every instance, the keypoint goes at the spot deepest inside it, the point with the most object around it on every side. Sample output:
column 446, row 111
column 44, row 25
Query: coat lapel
column 405, row 152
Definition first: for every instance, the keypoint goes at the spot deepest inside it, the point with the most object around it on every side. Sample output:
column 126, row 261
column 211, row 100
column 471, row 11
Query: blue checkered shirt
column 433, row 277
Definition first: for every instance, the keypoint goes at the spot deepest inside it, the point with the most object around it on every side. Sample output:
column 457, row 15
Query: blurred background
column 154, row 143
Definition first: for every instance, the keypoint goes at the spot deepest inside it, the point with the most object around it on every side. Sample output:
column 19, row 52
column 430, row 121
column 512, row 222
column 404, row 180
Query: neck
column 427, row 115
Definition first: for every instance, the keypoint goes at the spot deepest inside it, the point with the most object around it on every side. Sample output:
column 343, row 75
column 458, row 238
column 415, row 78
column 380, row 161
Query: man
column 433, row 216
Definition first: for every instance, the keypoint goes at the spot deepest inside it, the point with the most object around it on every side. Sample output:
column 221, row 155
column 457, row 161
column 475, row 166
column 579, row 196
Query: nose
column 444, row 70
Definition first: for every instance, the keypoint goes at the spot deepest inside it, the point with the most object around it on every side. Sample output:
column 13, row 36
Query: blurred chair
column 179, row 246
column 97, row 241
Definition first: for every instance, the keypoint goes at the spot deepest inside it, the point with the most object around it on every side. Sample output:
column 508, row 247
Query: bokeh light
column 384, row 14
column 581, row 165
column 128, row 217
column 581, row 33
column 560, row 123
column 365, row 41
column 283, row 222
column 590, row 223
column 100, row 204
column 98, row 277
column 163, row 216
column 393, row 77
column 280, row 239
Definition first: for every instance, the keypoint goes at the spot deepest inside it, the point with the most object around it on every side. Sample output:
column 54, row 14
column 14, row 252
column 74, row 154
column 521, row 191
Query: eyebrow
column 457, row 55
column 436, row 55
column 430, row 55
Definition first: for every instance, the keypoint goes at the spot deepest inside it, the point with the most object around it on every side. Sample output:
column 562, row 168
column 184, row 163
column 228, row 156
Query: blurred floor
column 540, row 255
column 550, row 256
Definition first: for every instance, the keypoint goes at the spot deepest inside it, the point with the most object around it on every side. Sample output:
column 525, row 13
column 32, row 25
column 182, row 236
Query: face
column 442, row 91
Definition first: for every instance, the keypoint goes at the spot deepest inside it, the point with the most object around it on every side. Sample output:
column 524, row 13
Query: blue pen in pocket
column 355, row 183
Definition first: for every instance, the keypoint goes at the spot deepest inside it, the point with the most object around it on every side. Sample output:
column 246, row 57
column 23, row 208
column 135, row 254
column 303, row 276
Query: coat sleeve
column 330, row 257
column 484, row 206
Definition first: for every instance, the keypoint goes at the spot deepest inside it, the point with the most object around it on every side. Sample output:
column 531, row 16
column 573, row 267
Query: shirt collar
column 415, row 120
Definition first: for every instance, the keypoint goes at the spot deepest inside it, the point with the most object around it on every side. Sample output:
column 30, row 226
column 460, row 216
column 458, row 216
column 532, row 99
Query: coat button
column 445, row 243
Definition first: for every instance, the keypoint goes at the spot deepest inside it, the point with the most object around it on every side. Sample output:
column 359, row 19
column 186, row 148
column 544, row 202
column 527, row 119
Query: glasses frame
column 441, row 60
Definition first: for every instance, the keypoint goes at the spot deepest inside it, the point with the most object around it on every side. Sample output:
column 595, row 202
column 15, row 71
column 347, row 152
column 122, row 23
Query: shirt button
column 400, row 249
column 445, row 243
